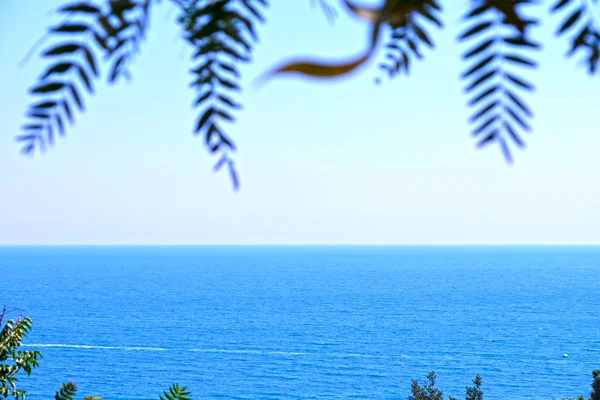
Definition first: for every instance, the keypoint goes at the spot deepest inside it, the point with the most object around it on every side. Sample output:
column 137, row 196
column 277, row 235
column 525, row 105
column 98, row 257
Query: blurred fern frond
column 580, row 23
column 222, row 33
column 500, row 38
column 408, row 36
column 87, row 31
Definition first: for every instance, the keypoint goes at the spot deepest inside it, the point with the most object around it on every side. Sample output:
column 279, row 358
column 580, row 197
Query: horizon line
column 295, row 244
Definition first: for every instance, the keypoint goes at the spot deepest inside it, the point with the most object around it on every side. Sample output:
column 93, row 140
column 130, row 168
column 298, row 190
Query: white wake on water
column 197, row 350
column 85, row 346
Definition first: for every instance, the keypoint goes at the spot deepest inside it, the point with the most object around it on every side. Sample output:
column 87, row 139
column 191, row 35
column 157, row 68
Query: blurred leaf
column 48, row 87
column 570, row 21
column 69, row 28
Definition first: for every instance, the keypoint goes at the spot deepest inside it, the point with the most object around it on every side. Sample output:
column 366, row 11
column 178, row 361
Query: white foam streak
column 84, row 346
column 226, row 351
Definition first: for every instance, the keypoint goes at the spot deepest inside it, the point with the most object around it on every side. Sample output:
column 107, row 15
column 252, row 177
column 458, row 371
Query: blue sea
column 307, row 322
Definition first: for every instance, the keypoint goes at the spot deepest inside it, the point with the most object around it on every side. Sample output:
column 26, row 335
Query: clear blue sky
column 343, row 162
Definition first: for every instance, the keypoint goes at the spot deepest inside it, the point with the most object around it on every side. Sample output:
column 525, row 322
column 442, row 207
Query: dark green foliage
column 474, row 392
column 176, row 392
column 595, row 394
column 67, row 391
column 426, row 392
column 430, row 392
column 573, row 398
column 13, row 360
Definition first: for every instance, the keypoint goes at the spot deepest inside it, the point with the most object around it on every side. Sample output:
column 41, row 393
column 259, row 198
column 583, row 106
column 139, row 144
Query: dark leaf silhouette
column 578, row 16
column 407, row 34
column 75, row 60
column 67, row 392
column 222, row 34
column 492, row 81
column 70, row 28
column 48, row 88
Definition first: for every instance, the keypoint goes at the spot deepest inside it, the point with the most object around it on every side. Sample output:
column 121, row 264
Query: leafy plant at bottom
column 595, row 394
column 13, row 360
column 474, row 392
column 426, row 392
column 67, row 391
column 176, row 392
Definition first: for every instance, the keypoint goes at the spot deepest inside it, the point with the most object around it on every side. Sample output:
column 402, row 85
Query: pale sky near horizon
column 335, row 162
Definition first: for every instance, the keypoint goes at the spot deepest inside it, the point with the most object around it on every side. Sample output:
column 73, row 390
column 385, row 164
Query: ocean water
column 307, row 322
